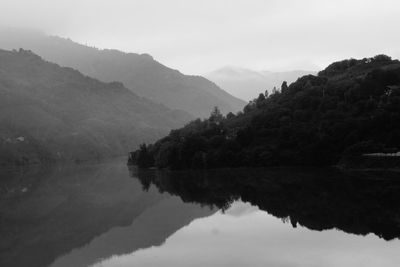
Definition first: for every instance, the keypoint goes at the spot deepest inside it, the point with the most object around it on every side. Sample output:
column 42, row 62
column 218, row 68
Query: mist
column 199, row 133
column 199, row 36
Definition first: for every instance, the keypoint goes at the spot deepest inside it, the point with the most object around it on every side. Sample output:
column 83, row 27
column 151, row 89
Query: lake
column 110, row 216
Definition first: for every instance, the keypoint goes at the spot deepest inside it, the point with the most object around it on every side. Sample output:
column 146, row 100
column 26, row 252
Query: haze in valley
column 197, row 37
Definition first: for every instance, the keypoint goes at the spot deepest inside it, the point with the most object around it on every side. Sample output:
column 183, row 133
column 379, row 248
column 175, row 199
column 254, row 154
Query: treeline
column 350, row 108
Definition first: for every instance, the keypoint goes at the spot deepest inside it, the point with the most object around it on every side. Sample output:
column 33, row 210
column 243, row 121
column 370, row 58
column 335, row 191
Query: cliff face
column 53, row 113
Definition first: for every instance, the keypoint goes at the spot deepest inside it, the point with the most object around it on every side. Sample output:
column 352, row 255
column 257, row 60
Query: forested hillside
column 50, row 113
column 351, row 107
column 138, row 72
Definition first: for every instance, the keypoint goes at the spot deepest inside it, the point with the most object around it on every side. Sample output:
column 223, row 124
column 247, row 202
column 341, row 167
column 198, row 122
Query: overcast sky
column 198, row 36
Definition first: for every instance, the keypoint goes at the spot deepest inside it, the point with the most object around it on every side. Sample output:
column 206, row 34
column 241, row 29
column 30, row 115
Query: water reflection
column 104, row 215
column 255, row 238
column 77, row 215
column 319, row 199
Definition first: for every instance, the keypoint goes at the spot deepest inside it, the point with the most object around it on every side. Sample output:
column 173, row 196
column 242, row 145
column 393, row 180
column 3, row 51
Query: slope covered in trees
column 351, row 107
column 52, row 113
column 138, row 72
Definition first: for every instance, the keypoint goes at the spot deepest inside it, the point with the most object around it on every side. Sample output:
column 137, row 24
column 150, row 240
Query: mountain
column 140, row 73
column 350, row 109
column 245, row 83
column 48, row 112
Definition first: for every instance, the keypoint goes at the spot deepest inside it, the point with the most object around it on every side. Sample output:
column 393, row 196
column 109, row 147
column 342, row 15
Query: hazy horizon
column 199, row 37
column 199, row 133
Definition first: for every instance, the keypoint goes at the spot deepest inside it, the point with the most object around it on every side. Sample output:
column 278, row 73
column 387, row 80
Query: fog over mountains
column 246, row 84
column 139, row 72
column 61, row 100
column 48, row 113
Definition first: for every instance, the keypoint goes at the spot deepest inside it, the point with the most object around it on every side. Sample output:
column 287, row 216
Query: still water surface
column 107, row 215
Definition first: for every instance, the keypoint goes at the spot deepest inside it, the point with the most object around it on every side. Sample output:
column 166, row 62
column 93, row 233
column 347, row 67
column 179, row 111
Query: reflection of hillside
column 151, row 228
column 358, row 203
column 47, row 213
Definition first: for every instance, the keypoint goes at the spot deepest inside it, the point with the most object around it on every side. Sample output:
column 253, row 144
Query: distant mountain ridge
column 140, row 73
column 246, row 83
column 49, row 113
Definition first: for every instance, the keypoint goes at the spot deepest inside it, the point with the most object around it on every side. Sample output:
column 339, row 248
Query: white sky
column 198, row 36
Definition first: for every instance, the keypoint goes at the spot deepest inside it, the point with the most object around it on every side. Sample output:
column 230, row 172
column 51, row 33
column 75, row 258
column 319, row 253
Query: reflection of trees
column 47, row 211
column 358, row 203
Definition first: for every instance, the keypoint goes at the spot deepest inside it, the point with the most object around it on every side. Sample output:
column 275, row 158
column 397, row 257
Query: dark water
column 107, row 215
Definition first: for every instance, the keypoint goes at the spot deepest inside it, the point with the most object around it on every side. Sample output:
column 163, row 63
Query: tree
column 260, row 100
column 216, row 115
column 230, row 116
column 144, row 158
column 284, row 87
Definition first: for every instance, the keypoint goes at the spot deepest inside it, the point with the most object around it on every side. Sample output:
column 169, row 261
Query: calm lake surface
column 109, row 215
